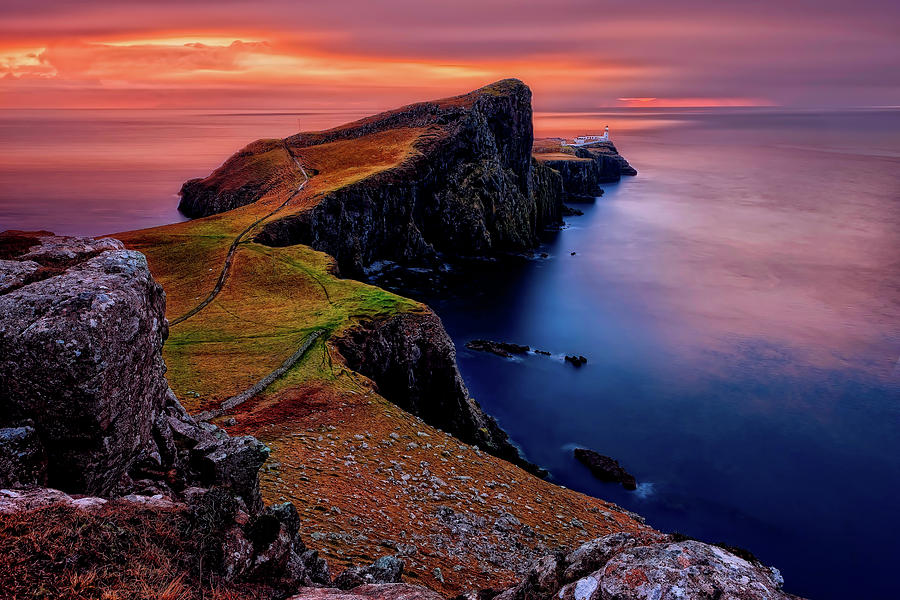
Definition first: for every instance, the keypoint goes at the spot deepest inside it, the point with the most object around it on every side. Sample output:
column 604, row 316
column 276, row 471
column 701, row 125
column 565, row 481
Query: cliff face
column 466, row 186
column 583, row 169
column 413, row 362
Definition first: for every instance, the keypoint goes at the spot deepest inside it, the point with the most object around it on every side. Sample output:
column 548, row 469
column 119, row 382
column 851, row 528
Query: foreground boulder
column 623, row 567
column 80, row 357
column 85, row 407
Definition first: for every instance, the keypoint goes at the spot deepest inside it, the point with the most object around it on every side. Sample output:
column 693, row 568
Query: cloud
column 576, row 54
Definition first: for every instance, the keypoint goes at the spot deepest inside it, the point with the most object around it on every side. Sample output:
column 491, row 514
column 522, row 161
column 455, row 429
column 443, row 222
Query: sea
column 738, row 303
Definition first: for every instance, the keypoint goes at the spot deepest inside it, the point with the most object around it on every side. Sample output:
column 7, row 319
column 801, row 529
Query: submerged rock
column 605, row 468
column 576, row 360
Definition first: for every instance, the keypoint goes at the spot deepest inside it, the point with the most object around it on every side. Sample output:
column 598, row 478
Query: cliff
column 582, row 169
column 443, row 178
column 412, row 360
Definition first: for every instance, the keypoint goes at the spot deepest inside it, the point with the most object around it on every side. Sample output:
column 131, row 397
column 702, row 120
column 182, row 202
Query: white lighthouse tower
column 584, row 140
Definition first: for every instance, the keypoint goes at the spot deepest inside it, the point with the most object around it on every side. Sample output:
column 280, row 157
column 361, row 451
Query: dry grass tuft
column 116, row 552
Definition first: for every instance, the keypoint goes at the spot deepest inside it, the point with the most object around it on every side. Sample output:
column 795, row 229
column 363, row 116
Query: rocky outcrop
column 80, row 357
column 622, row 567
column 86, row 408
column 605, row 468
column 469, row 187
column 387, row 569
column 504, row 349
column 585, row 168
column 412, row 360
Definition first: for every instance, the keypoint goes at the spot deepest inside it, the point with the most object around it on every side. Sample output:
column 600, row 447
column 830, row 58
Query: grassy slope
column 328, row 428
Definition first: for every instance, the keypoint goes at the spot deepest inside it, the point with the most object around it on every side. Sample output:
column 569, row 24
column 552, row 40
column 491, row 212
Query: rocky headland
column 583, row 169
column 364, row 441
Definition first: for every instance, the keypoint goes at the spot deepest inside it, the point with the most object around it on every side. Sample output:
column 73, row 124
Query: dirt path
column 223, row 276
column 220, row 283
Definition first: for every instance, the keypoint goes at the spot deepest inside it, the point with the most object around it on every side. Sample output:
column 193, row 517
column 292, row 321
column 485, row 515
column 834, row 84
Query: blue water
column 738, row 304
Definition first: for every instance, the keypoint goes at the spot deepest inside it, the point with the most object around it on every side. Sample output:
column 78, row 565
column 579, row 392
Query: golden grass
column 120, row 551
column 273, row 298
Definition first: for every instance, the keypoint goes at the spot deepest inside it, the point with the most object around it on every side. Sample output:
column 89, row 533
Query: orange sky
column 576, row 54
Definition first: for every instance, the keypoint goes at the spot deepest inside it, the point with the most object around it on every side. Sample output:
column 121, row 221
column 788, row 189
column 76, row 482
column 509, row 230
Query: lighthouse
column 583, row 140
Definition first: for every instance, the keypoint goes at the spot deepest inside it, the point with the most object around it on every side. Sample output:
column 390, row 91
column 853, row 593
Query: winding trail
column 223, row 276
column 308, row 341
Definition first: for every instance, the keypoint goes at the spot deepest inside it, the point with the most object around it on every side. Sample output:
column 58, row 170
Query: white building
column 583, row 140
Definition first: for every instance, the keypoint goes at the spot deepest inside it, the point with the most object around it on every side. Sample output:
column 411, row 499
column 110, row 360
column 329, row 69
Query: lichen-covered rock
column 592, row 555
column 621, row 566
column 23, row 461
column 387, row 569
column 16, row 273
column 412, row 360
column 689, row 570
column 80, row 356
column 387, row 591
column 84, row 399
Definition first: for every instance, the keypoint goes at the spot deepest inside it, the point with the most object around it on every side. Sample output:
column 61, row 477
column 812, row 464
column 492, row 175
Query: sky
column 577, row 55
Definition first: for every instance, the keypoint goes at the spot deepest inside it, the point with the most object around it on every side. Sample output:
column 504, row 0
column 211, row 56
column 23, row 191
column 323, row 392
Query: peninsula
column 308, row 403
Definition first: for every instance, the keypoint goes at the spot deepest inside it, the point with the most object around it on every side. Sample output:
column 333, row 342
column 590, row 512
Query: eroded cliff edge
column 467, row 185
column 412, row 359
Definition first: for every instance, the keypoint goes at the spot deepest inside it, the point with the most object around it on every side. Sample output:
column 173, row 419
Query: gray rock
column 690, row 570
column 80, row 356
column 388, row 591
column 387, row 569
column 233, row 462
column 621, row 567
column 23, row 461
column 592, row 555
column 14, row 273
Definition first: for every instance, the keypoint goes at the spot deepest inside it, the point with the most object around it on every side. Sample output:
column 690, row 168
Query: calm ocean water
column 738, row 302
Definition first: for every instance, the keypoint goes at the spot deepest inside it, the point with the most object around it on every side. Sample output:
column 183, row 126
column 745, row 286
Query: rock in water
column 80, row 355
column 576, row 360
column 605, row 468
column 503, row 349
